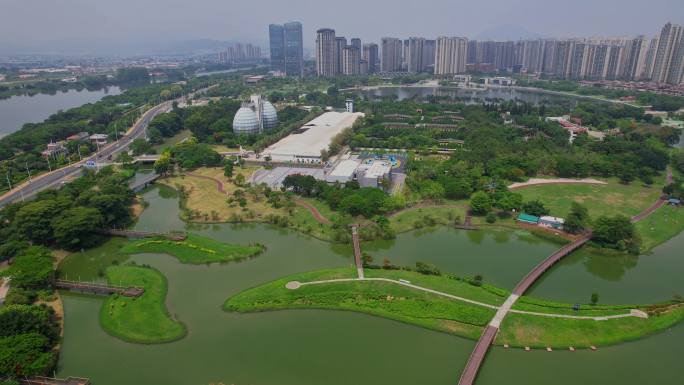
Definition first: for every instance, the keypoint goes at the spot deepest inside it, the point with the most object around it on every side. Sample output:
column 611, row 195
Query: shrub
column 491, row 217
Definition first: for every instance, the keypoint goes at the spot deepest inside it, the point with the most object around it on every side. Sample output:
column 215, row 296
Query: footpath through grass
column 541, row 332
column 413, row 306
column 195, row 249
column 660, row 226
column 609, row 199
column 447, row 214
column 144, row 319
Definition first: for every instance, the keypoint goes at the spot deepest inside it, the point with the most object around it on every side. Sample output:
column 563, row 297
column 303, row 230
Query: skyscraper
column 340, row 43
column 276, row 36
column 391, row 54
column 356, row 43
column 650, row 59
column 635, row 63
column 429, row 53
column 415, row 54
column 450, row 55
column 351, row 60
column 370, row 55
column 665, row 66
column 294, row 49
column 326, row 60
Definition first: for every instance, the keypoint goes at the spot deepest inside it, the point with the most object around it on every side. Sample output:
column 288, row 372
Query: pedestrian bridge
column 487, row 338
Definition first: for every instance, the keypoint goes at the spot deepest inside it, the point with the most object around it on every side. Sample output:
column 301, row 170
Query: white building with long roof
column 305, row 145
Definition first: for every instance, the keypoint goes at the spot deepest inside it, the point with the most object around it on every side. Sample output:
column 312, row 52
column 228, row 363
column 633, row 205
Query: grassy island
column 525, row 326
column 194, row 250
column 144, row 319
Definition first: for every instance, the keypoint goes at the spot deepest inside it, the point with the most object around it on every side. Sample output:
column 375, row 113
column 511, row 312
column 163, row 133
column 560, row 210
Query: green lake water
column 330, row 347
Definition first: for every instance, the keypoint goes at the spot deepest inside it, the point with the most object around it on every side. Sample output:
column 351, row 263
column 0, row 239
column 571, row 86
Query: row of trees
column 28, row 335
column 70, row 217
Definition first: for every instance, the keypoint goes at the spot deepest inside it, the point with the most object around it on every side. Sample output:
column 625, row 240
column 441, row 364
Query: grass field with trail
column 541, row 332
column 609, row 199
column 194, row 250
column 660, row 226
column 143, row 319
column 443, row 214
column 413, row 306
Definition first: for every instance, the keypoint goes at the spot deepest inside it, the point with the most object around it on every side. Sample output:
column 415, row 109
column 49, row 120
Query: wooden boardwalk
column 98, row 288
column 134, row 234
column 487, row 338
column 55, row 381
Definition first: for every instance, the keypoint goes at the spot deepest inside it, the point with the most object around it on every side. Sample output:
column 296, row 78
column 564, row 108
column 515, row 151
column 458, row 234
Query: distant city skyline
column 132, row 23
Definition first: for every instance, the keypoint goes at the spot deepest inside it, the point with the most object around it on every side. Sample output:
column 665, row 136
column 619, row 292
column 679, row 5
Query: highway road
column 55, row 178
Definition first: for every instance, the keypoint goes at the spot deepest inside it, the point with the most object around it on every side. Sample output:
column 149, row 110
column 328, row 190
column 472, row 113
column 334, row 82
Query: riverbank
column 462, row 309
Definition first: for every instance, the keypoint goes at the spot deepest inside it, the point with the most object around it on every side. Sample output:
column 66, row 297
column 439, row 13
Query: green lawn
column 611, row 199
column 534, row 331
column 143, row 319
column 437, row 312
column 195, row 249
column 376, row 298
column 660, row 226
column 412, row 218
column 172, row 141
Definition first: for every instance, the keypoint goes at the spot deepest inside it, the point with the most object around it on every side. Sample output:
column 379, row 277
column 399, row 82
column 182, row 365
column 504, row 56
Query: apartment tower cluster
column 659, row 59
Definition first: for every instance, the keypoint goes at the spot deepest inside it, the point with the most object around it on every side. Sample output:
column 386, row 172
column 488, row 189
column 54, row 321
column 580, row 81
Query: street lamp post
column 29, row 172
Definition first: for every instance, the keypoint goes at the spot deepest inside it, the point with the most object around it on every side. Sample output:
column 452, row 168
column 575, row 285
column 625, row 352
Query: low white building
column 305, row 145
column 343, row 172
column 371, row 172
column 552, row 222
column 99, row 139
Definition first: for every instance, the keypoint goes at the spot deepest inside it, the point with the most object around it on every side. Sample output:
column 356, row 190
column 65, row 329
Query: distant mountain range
column 117, row 47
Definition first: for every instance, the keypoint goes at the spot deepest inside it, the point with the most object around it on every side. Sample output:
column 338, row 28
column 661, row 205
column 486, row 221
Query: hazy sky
column 30, row 22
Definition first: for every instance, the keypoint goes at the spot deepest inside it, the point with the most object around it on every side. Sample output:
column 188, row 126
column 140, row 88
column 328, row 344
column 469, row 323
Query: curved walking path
column 294, row 285
column 541, row 181
column 658, row 204
column 219, row 183
column 313, row 210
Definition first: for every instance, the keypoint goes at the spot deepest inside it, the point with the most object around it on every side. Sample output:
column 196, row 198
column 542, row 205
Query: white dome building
column 255, row 117
column 245, row 121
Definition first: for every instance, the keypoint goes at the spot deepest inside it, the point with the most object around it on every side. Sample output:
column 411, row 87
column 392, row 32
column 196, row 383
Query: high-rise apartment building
column 650, row 59
column 294, row 49
column 287, row 48
column 276, row 37
column 391, row 54
column 340, row 43
column 356, row 43
column 429, row 54
column 351, row 60
column 415, row 55
column 668, row 59
column 370, row 55
column 635, row 62
column 326, row 58
column 450, row 55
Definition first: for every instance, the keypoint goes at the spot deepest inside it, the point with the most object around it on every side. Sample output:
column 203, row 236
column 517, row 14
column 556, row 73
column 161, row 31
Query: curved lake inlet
column 312, row 347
